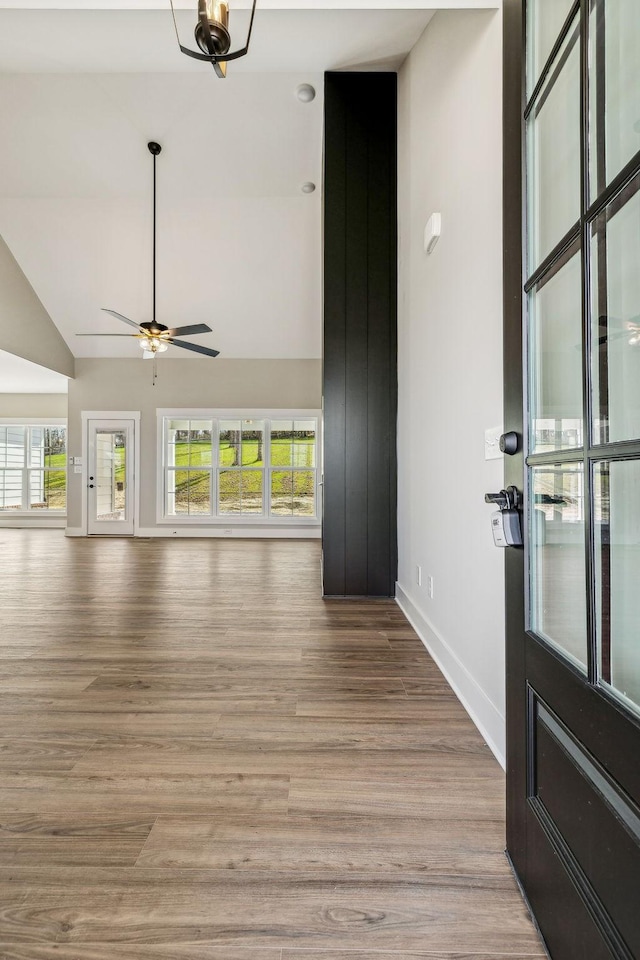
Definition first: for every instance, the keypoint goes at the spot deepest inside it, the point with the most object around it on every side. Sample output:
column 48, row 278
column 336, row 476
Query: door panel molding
column 596, row 838
column 593, row 718
column 560, row 900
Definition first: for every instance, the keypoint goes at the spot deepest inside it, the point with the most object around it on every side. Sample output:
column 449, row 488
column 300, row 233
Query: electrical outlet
column 430, row 587
column 419, row 575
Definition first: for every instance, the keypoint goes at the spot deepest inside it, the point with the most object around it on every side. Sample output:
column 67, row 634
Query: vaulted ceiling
column 84, row 84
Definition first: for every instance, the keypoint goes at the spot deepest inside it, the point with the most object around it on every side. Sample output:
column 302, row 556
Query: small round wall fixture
column 308, row 187
column 305, row 92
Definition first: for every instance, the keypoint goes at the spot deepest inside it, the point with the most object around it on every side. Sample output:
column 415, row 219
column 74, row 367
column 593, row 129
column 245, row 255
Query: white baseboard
column 239, row 532
column 249, row 533
column 245, row 532
column 26, row 523
column 487, row 718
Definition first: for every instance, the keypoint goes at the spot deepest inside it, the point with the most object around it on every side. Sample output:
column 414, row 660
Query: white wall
column 26, row 329
column 33, row 405
column 112, row 385
column 450, row 353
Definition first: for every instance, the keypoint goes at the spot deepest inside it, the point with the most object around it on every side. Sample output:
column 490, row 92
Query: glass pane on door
column 110, row 477
column 557, row 558
column 615, row 307
column 555, row 360
column 553, row 134
column 545, row 19
column 617, row 543
column 614, row 96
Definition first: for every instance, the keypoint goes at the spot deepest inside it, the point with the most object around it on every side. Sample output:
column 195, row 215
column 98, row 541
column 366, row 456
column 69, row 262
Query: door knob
column 508, row 443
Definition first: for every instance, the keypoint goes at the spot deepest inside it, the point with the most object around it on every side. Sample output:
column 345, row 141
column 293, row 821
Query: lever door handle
column 505, row 500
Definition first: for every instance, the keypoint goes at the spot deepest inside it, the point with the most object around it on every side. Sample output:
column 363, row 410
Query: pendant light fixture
column 212, row 35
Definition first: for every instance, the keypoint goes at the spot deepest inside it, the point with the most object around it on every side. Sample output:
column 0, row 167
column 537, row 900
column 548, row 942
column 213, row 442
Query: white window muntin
column 215, row 417
column 171, row 468
column 23, row 475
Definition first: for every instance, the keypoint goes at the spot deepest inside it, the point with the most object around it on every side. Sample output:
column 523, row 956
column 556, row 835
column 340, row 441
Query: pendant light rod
column 154, row 149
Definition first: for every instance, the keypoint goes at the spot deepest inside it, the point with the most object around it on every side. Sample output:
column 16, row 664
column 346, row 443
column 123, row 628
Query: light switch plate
column 492, row 443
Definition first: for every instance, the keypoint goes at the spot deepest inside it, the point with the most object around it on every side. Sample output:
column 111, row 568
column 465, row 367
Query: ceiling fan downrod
column 154, row 149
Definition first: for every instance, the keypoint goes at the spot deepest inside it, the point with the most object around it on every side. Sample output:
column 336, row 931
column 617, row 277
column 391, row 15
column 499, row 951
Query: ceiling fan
column 152, row 336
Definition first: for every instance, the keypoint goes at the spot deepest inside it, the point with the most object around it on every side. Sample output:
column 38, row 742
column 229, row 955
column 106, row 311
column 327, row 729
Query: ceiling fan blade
column 106, row 335
column 119, row 316
column 195, row 347
column 190, row 330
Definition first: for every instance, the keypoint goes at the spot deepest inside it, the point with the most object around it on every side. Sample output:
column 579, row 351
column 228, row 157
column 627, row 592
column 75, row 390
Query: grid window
column 239, row 467
column 293, row 446
column 189, row 467
column 33, row 468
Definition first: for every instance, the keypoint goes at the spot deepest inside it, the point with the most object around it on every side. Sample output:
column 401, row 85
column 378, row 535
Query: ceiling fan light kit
column 155, row 337
column 212, row 35
column 154, row 344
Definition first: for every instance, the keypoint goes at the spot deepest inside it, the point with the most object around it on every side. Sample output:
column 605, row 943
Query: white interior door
column 110, row 480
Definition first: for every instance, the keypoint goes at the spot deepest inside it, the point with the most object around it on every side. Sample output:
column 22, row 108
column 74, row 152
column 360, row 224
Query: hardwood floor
column 202, row 760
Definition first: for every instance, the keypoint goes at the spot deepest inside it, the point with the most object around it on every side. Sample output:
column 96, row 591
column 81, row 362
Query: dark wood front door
column 572, row 374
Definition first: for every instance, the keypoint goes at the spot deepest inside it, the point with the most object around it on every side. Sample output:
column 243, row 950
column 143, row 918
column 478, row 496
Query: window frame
column 215, row 518
column 28, row 423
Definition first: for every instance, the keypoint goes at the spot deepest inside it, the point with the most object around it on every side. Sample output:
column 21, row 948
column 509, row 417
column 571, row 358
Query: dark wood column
column 360, row 334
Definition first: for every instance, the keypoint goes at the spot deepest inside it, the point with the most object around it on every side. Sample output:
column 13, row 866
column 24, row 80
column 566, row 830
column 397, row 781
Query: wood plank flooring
column 202, row 760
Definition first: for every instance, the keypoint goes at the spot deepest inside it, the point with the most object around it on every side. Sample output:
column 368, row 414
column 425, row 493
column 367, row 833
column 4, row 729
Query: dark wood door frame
column 513, row 227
